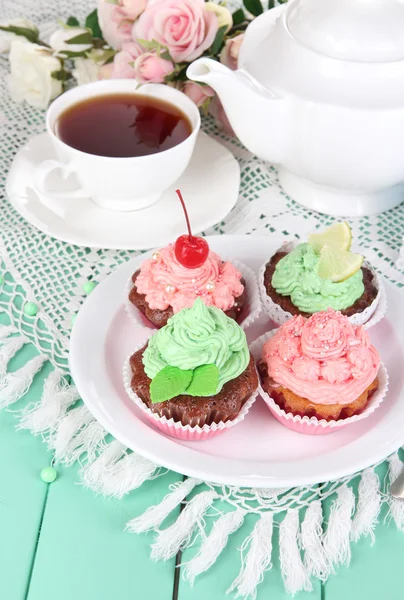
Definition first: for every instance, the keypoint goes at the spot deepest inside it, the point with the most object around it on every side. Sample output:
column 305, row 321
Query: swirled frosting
column 296, row 276
column 165, row 282
column 324, row 358
column 198, row 336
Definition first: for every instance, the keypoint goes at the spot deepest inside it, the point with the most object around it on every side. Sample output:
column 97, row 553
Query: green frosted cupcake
column 303, row 279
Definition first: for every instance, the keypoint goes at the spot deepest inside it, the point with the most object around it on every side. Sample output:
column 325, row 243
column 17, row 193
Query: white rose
column 223, row 15
column 30, row 79
column 85, row 70
column 61, row 36
column 6, row 37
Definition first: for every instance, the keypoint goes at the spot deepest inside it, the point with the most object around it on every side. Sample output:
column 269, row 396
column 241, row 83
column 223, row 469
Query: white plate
column 259, row 451
column 210, row 186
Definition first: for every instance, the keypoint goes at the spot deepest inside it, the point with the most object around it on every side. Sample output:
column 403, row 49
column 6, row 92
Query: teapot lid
column 351, row 30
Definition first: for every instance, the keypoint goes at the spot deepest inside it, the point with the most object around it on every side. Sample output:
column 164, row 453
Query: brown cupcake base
column 159, row 318
column 192, row 410
column 297, row 405
column 286, row 304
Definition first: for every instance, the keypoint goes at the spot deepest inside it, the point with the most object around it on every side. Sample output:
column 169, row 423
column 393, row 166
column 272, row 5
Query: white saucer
column 210, row 187
column 258, row 452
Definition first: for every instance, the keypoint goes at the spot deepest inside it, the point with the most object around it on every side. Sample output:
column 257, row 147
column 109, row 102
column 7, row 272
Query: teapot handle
column 257, row 31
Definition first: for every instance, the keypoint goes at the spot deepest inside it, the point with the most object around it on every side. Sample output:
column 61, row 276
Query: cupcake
column 322, row 273
column 195, row 374
column 178, row 274
column 322, row 369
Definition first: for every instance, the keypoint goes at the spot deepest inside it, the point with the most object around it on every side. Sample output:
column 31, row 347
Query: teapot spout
column 257, row 116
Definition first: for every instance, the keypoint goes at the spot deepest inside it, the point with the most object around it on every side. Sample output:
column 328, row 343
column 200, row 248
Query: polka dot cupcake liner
column 314, row 426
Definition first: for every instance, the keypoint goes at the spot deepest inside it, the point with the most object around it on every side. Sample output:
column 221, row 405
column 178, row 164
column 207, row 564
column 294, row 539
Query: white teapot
column 320, row 92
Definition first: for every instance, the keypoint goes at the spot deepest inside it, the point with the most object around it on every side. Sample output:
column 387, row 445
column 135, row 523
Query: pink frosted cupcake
column 177, row 275
column 321, row 370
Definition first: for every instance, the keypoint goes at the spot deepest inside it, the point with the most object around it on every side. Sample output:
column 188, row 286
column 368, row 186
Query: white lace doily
column 37, row 268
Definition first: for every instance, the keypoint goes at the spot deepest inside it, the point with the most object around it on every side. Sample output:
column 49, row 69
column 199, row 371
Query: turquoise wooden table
column 60, row 541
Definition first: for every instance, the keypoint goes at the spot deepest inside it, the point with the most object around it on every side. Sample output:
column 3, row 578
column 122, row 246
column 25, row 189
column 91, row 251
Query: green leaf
column 71, row 54
column 238, row 17
column 217, row 44
column 32, row 35
column 82, row 38
column 169, row 383
column 204, row 382
column 254, row 7
column 271, row 4
column 72, row 22
column 61, row 75
column 93, row 24
column 149, row 44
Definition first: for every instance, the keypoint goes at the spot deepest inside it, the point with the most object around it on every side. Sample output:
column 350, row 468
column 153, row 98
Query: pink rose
column 116, row 20
column 198, row 93
column 105, row 71
column 115, row 25
column 133, row 8
column 230, row 52
column 217, row 111
column 123, row 66
column 184, row 27
column 151, row 68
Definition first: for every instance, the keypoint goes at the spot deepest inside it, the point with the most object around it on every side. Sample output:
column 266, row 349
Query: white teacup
column 118, row 183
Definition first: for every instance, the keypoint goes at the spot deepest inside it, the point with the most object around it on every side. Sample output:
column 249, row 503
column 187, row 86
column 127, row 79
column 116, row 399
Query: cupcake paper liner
column 250, row 313
column 174, row 428
column 314, row 426
column 368, row 317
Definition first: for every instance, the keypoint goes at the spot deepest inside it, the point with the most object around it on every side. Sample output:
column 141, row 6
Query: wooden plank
column 22, row 493
column 84, row 552
column 215, row 582
column 375, row 569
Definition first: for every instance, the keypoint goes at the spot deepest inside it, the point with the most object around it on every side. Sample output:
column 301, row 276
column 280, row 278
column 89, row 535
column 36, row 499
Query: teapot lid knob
column 351, row 30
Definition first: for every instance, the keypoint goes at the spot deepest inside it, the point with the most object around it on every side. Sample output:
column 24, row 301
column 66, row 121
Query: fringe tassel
column 315, row 559
column 115, row 472
column 155, row 515
column 170, row 540
column 6, row 330
column 77, row 432
column 15, row 385
column 295, row 575
column 396, row 506
column 214, row 544
column 8, row 348
column 336, row 539
column 44, row 416
column 93, row 473
column 258, row 558
column 368, row 507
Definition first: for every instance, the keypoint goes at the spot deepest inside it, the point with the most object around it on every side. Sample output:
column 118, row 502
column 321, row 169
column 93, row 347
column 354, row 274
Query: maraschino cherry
column 190, row 251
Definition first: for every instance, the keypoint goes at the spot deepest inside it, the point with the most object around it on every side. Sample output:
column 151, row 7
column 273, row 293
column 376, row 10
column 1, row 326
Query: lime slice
column 338, row 236
column 338, row 265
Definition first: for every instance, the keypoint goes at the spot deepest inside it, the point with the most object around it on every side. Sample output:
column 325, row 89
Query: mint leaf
column 217, row 44
column 169, row 383
column 93, row 24
column 254, row 7
column 72, row 22
column 204, row 382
